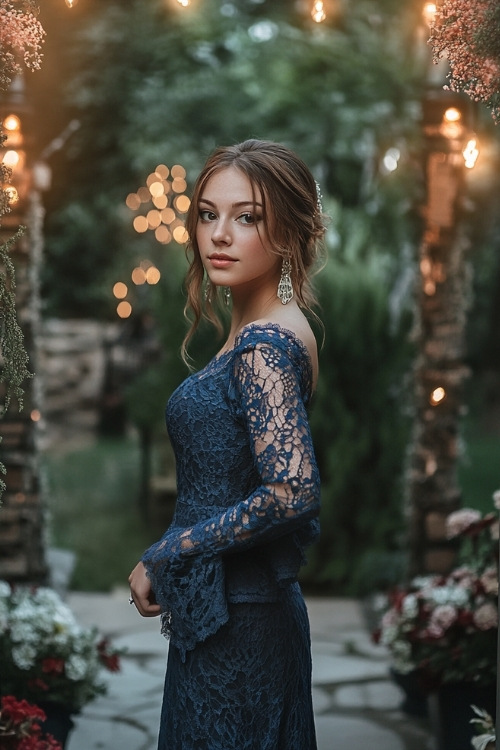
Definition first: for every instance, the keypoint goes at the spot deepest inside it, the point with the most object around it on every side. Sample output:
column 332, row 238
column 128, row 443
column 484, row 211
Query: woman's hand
column 142, row 593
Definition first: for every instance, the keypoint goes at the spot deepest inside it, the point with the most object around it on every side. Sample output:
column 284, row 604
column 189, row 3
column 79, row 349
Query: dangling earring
column 227, row 296
column 285, row 288
column 207, row 291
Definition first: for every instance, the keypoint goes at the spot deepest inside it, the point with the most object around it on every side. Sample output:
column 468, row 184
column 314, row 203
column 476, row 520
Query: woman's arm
column 269, row 397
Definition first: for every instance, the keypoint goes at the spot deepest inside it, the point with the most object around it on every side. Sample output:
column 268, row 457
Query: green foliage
column 15, row 358
column 153, row 84
column 359, row 425
column 14, row 370
column 93, row 501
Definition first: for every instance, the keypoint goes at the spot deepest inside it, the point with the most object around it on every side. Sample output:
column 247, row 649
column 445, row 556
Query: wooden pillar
column 22, row 527
column 442, row 298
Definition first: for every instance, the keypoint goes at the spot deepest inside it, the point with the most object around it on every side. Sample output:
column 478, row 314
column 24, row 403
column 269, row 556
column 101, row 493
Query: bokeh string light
column 160, row 206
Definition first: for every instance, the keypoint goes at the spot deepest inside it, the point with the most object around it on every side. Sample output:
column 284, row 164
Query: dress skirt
column 247, row 687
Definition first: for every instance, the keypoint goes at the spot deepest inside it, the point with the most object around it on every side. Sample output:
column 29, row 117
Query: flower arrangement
column 20, row 726
column 21, row 38
column 45, row 655
column 467, row 34
column 445, row 627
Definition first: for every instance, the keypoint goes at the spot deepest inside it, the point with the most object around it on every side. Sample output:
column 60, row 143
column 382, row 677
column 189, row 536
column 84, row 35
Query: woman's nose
column 220, row 232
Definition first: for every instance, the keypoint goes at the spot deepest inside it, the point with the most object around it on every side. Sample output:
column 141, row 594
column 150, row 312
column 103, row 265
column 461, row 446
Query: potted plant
column 443, row 629
column 47, row 657
column 20, row 726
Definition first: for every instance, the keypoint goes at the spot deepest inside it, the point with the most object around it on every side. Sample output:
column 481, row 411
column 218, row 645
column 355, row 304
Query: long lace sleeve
column 269, row 398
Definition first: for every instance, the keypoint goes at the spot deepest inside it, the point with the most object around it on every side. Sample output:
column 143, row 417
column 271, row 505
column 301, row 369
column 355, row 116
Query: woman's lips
column 220, row 261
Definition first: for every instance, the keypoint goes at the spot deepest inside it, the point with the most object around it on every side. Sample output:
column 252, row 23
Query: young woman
column 224, row 575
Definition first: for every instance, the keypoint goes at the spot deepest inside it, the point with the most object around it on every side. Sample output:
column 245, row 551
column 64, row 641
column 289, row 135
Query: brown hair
column 291, row 214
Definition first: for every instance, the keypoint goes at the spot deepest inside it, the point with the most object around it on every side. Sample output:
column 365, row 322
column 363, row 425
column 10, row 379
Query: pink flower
column 464, row 33
column 21, row 38
column 489, row 581
column 460, row 521
column 486, row 617
column 441, row 620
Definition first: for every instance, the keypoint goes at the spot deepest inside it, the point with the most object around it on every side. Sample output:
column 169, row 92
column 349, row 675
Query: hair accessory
column 285, row 288
column 319, row 197
column 227, row 296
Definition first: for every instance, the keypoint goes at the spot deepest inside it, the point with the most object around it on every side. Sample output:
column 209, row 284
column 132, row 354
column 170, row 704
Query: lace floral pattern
column 248, row 501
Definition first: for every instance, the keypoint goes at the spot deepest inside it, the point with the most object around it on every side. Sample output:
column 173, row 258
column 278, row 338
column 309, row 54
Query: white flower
column 76, row 667
column 410, row 605
column 489, row 580
column 486, row 616
column 454, row 595
column 4, row 590
column 24, row 656
column 460, row 520
column 496, row 499
column 441, row 619
column 388, row 635
column 401, row 653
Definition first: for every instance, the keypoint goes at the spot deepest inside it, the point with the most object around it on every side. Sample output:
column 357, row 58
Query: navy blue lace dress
column 225, row 572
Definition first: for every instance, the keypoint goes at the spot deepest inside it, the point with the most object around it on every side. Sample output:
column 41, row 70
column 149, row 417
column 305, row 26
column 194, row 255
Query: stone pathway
column 357, row 706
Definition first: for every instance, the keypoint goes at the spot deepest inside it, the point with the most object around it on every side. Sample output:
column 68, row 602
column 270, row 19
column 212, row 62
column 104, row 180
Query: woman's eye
column 246, row 219
column 206, row 215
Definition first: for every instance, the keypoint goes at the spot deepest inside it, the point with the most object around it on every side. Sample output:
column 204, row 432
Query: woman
column 224, row 575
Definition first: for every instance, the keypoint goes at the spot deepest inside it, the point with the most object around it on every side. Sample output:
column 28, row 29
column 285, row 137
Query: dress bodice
column 247, row 483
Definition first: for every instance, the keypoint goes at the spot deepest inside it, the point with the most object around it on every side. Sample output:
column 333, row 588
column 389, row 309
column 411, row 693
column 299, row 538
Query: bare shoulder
column 293, row 319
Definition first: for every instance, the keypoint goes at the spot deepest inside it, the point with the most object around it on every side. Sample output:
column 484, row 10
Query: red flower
column 109, row 659
column 23, row 719
column 20, row 711
column 53, row 666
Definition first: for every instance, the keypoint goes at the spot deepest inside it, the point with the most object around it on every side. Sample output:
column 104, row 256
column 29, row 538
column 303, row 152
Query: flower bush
column 467, row 34
column 20, row 726
column 45, row 655
column 445, row 627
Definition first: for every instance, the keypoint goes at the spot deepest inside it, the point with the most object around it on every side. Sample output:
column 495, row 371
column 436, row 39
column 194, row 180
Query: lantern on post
column 13, row 119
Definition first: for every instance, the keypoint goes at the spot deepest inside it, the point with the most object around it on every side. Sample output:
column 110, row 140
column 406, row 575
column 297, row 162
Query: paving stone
column 336, row 732
column 99, row 733
column 382, row 695
column 334, row 669
column 348, row 688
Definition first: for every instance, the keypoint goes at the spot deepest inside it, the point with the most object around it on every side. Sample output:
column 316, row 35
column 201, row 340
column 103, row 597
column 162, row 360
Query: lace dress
column 225, row 572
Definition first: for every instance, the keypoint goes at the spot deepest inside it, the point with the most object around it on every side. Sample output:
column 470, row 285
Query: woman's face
column 233, row 243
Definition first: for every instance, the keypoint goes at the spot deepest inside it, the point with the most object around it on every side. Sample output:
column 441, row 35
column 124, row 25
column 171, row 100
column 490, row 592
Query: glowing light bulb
column 429, row 13
column 437, row 396
column 452, row 114
column 71, row 3
column 11, row 159
column 184, row 3
column 470, row 153
column 12, row 122
column 318, row 11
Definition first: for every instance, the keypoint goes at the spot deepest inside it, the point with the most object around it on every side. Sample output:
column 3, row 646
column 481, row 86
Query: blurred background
column 130, row 99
